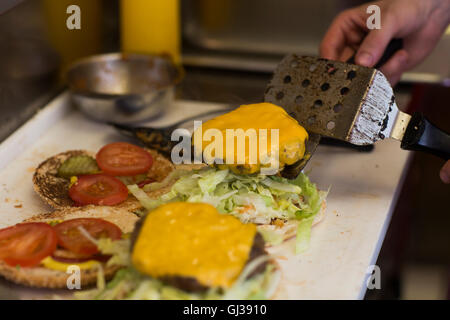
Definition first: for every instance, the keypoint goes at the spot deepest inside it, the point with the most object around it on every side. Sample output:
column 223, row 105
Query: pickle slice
column 78, row 165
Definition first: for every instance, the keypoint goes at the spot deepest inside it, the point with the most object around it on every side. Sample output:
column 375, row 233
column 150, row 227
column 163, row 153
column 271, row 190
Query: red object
column 123, row 159
column 71, row 238
column 99, row 189
column 418, row 95
column 146, row 181
column 26, row 244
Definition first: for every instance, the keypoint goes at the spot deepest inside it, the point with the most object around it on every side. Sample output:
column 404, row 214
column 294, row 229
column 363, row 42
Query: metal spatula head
column 336, row 99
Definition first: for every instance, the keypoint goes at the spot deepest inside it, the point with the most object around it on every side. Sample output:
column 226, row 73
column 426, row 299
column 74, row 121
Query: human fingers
column 344, row 33
column 445, row 172
column 375, row 42
column 395, row 66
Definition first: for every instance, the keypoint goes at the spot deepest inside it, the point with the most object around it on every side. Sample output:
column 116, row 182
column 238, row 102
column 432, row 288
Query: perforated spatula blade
column 324, row 96
column 350, row 103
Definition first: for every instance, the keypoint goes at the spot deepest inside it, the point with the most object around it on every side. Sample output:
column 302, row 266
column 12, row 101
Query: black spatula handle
column 393, row 46
column 422, row 135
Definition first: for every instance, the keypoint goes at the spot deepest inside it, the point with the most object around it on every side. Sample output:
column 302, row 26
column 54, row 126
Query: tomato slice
column 123, row 159
column 71, row 238
column 99, row 189
column 26, row 244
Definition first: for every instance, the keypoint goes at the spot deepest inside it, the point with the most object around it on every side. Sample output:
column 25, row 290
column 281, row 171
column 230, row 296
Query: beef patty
column 190, row 284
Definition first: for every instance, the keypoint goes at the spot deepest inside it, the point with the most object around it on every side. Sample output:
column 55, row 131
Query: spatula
column 350, row 103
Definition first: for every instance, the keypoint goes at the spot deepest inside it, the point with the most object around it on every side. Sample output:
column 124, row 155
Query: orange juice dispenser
column 72, row 44
column 151, row 26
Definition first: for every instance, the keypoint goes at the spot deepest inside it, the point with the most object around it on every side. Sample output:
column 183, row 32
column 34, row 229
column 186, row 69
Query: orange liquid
column 151, row 26
column 73, row 44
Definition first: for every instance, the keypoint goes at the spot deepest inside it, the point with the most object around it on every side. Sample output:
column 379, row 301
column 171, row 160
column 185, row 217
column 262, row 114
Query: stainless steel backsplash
column 255, row 34
column 260, row 26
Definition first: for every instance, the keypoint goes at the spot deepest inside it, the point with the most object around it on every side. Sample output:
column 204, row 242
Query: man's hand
column 445, row 172
column 420, row 23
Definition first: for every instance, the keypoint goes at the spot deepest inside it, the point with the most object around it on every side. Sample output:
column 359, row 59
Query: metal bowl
column 123, row 88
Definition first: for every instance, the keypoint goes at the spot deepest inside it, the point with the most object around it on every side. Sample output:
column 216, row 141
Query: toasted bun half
column 42, row 277
column 55, row 190
column 290, row 228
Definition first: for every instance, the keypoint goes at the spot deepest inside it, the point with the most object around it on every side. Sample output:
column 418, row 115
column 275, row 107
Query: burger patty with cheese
column 281, row 208
column 189, row 250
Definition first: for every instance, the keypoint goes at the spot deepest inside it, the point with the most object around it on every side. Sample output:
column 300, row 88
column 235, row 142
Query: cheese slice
column 193, row 240
column 51, row 263
column 291, row 136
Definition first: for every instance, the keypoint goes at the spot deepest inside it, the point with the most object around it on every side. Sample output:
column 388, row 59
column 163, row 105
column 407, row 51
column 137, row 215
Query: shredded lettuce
column 175, row 174
column 127, row 180
column 313, row 199
column 272, row 236
column 119, row 250
column 143, row 198
column 209, row 181
column 303, row 234
column 280, row 186
column 254, row 198
column 245, row 289
column 129, row 284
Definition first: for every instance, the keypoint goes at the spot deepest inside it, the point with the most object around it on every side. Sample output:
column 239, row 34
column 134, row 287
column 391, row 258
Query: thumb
column 445, row 172
column 373, row 45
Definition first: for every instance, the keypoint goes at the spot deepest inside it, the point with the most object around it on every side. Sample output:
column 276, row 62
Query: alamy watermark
column 242, row 147
column 73, row 21
column 374, row 277
column 374, row 20
column 74, row 278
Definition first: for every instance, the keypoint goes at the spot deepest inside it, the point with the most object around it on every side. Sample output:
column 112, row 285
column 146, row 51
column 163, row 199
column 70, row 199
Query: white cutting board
column 361, row 199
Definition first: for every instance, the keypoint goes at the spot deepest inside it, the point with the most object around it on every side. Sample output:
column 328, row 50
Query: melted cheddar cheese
column 292, row 136
column 193, row 240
